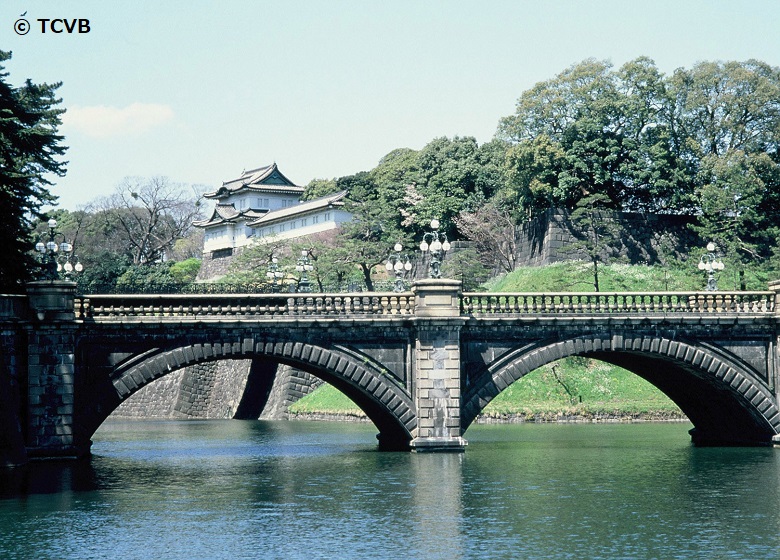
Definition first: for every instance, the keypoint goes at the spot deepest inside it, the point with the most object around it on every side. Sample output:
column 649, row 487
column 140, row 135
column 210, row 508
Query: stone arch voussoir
column 728, row 372
column 356, row 372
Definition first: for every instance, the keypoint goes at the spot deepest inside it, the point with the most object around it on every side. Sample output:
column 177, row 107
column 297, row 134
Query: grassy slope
column 602, row 388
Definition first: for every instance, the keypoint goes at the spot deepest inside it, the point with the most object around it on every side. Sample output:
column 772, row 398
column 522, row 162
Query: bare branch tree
column 149, row 215
column 492, row 230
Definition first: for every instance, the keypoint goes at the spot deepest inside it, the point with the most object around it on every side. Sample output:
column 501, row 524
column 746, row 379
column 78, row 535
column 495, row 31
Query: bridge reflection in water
column 422, row 364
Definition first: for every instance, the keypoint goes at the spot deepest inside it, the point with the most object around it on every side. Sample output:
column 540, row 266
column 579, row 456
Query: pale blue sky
column 200, row 90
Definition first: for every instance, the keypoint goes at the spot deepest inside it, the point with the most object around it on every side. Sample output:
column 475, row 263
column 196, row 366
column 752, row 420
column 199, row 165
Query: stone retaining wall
column 215, row 390
column 645, row 238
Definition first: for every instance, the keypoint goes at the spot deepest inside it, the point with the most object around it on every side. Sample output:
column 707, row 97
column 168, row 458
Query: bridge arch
column 725, row 399
column 386, row 403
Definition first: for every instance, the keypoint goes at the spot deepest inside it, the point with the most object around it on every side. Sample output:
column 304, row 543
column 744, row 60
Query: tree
column 492, row 231
column 367, row 239
column 147, row 216
column 740, row 205
column 332, row 263
column 727, row 116
column 723, row 106
column 592, row 130
column 598, row 232
column 453, row 175
column 317, row 188
column 465, row 265
column 29, row 150
column 251, row 264
column 101, row 272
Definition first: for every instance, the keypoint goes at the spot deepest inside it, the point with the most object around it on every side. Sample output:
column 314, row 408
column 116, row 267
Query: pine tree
column 29, row 149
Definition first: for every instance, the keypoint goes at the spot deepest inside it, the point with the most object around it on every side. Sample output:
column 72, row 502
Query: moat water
column 245, row 489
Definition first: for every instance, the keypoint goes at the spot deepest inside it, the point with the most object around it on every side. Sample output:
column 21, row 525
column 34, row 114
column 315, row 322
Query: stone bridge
column 421, row 365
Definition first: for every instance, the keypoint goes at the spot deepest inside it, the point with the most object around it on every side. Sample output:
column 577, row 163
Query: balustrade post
column 436, row 366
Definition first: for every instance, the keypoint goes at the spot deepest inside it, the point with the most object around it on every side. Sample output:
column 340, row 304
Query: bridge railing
column 118, row 307
column 617, row 302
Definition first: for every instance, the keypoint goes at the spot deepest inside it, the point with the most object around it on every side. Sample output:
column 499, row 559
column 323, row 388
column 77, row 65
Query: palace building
column 263, row 204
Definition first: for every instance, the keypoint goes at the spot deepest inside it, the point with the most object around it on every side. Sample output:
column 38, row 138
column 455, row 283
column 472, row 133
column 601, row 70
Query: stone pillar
column 774, row 350
column 51, row 343
column 436, row 366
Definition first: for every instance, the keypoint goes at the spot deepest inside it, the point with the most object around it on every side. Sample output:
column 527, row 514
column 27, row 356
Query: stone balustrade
column 758, row 302
column 128, row 307
column 115, row 306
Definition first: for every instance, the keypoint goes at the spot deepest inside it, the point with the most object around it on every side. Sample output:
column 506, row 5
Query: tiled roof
column 262, row 179
column 227, row 213
column 307, row 207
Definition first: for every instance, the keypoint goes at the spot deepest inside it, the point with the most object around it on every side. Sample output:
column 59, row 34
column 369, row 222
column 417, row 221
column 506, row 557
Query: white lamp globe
column 434, row 224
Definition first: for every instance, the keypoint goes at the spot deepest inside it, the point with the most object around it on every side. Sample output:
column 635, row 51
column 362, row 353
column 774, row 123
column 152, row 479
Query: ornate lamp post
column 710, row 263
column 438, row 245
column 395, row 263
column 304, row 266
column 274, row 275
column 56, row 257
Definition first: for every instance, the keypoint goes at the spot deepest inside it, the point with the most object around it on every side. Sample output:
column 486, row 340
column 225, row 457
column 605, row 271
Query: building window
column 315, row 219
column 327, row 215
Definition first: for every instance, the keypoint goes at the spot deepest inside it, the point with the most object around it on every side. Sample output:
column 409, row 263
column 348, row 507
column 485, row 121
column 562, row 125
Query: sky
column 199, row 91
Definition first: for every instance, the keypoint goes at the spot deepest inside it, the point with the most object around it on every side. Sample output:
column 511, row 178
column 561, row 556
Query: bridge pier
column 51, row 344
column 436, row 365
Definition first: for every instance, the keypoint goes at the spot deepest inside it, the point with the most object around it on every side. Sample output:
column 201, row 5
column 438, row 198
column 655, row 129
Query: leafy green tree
column 251, row 264
column 317, row 188
column 740, row 203
column 101, row 272
column 454, row 175
column 598, row 232
column 465, row 265
column 724, row 106
column 397, row 169
column 728, row 114
column 592, row 130
column 367, row 239
column 30, row 149
column 184, row 272
column 152, row 278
